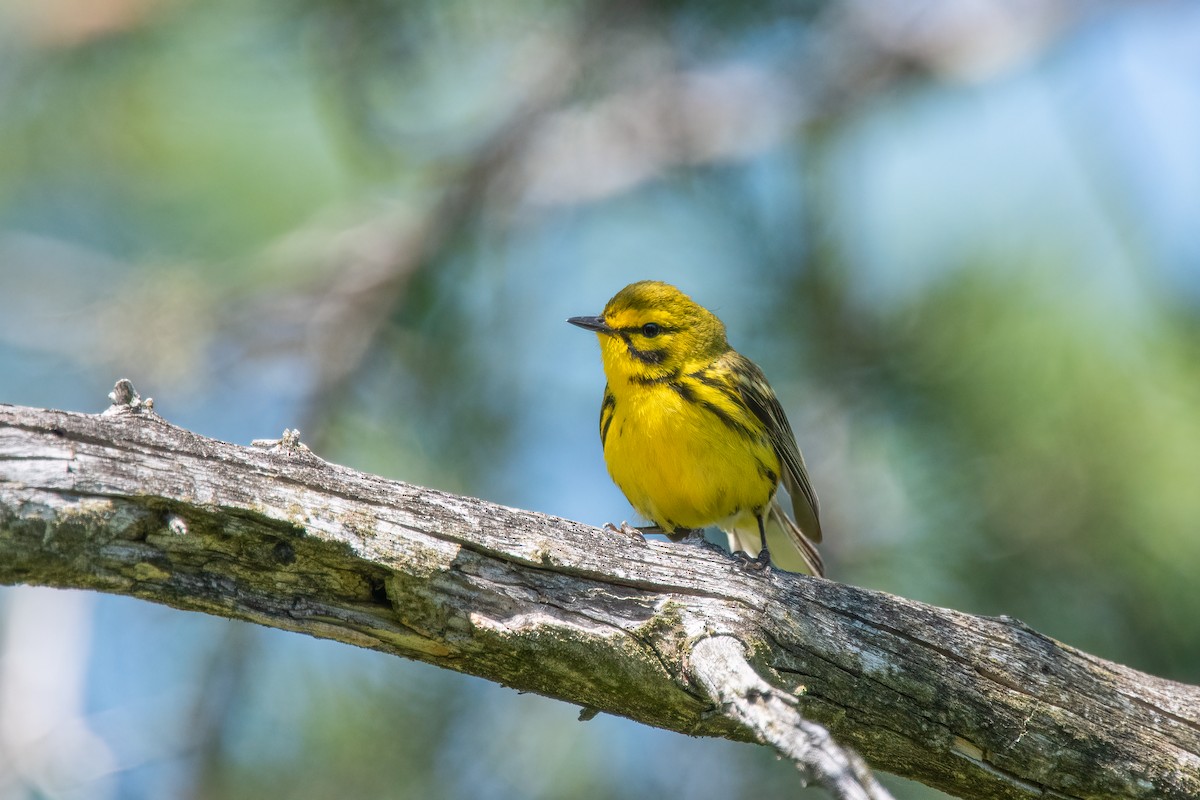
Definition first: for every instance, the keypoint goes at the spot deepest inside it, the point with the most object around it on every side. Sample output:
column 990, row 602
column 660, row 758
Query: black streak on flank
column 683, row 390
column 729, row 421
column 607, row 412
column 708, row 379
column 768, row 473
column 686, row 392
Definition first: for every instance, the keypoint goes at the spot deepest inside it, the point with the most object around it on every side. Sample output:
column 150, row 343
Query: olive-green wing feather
column 761, row 400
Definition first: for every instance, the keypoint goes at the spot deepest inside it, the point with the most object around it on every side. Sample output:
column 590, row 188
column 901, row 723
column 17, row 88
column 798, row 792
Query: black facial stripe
column 645, row 356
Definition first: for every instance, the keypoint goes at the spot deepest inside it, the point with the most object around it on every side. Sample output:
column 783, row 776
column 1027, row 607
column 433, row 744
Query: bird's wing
column 760, row 399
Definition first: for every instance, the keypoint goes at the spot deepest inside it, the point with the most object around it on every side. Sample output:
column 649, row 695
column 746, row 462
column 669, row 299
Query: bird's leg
column 636, row 534
column 761, row 562
column 764, row 555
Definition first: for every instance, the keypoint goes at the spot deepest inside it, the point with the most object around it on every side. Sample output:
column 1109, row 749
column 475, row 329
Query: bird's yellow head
column 650, row 330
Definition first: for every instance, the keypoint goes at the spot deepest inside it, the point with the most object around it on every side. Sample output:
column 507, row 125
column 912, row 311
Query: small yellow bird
column 693, row 434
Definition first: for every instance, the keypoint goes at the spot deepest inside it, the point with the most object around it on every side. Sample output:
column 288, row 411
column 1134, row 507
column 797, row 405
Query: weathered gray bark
column 979, row 707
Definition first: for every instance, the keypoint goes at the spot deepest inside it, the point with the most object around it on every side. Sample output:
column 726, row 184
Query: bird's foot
column 689, row 535
column 630, row 532
column 760, row 563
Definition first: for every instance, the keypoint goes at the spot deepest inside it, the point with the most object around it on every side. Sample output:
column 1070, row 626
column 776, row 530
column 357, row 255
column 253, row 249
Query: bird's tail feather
column 790, row 549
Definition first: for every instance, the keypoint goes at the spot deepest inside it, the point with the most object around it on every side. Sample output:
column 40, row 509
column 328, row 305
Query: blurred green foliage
column 962, row 246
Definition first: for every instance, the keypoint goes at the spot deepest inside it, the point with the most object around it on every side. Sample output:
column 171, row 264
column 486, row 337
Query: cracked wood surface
column 979, row 707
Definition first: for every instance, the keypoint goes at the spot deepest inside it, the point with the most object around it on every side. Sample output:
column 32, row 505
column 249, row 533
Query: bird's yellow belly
column 682, row 467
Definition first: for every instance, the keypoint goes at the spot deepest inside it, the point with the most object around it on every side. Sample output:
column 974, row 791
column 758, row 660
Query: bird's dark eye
column 650, row 330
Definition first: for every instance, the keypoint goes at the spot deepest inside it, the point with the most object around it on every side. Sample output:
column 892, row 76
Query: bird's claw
column 760, row 563
column 626, row 530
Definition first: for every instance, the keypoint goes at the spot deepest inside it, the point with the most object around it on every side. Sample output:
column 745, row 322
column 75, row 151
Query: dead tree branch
column 673, row 636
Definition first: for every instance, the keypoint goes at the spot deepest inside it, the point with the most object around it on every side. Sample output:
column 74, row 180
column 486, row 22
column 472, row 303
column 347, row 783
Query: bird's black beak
column 596, row 324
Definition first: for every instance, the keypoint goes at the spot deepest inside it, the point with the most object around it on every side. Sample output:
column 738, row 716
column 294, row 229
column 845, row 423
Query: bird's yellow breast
column 685, row 456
